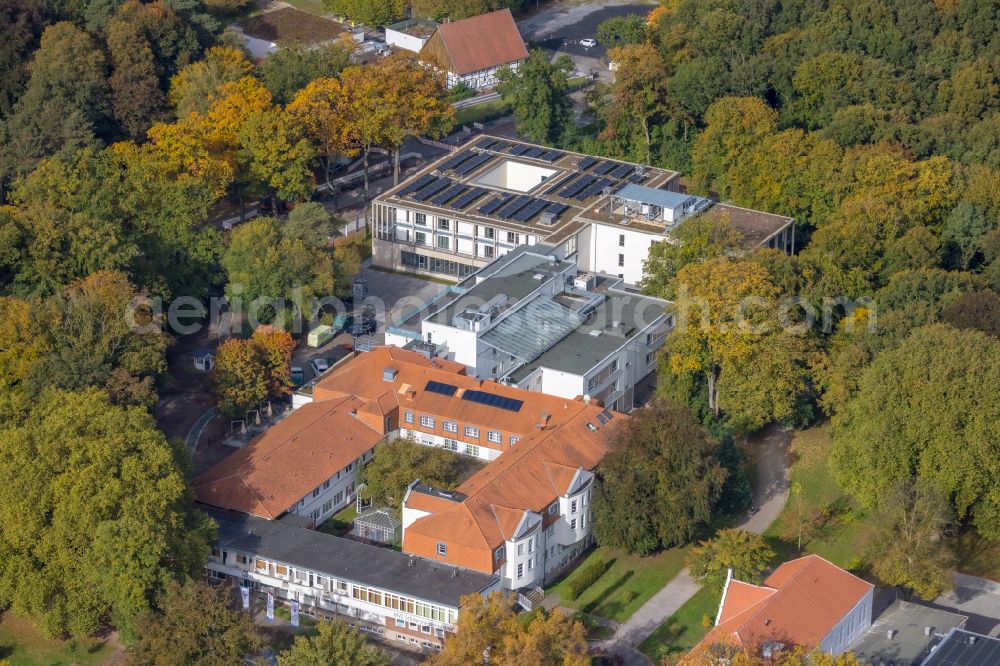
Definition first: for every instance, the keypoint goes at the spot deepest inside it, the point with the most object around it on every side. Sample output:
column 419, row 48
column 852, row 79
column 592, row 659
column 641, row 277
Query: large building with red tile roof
column 474, row 49
column 808, row 603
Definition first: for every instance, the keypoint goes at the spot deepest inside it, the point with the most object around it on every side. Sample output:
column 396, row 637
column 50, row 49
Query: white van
column 320, row 335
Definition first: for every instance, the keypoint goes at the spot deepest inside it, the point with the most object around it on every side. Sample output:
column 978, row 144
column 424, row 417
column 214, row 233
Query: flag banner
column 295, row 613
column 245, row 593
column 270, row 605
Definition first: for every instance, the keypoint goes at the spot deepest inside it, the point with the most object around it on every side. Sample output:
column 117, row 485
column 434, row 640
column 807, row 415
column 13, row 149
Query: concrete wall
column 404, row 41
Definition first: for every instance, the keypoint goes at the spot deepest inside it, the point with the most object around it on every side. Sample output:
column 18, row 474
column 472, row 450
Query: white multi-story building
column 466, row 209
column 378, row 590
column 535, row 321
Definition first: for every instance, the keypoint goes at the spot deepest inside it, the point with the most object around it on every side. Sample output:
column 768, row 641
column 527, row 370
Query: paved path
column 194, row 434
column 770, row 493
column 977, row 598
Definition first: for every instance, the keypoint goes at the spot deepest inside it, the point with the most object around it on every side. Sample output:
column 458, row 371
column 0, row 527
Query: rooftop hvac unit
column 548, row 219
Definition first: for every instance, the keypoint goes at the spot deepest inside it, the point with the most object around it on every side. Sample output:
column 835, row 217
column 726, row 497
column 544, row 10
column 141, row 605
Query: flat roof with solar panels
column 516, row 185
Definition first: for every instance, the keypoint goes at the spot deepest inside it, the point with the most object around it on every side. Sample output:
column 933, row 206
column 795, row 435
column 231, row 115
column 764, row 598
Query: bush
column 628, row 596
column 587, row 577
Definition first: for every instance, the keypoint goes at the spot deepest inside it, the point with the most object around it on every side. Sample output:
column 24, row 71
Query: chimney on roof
column 410, row 563
column 544, row 421
column 890, row 633
column 767, row 622
column 389, row 374
column 411, row 394
column 972, row 639
column 927, row 631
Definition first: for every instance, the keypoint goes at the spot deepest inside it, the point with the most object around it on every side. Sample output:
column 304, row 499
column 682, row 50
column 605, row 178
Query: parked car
column 298, row 376
column 588, row 43
column 319, row 366
column 343, row 322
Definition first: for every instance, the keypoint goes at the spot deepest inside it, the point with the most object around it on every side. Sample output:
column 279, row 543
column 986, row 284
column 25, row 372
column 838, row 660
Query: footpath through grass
column 22, row 645
column 627, row 584
column 686, row 627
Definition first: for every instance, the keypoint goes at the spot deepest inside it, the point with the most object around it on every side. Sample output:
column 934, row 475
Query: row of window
column 471, row 432
column 424, row 628
column 444, row 243
column 489, row 233
column 422, row 262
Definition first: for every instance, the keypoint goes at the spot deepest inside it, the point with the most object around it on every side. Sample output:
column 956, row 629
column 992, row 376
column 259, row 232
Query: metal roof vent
column 389, row 374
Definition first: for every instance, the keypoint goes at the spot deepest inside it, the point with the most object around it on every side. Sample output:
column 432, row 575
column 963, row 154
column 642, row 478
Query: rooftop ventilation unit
column 389, row 374
column 585, row 281
column 548, row 219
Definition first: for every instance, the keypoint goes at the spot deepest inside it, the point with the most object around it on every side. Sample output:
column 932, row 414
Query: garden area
column 628, row 581
column 22, row 645
column 289, row 25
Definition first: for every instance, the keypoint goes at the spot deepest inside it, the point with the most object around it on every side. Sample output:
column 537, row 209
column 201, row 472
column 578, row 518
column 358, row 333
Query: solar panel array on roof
column 557, row 209
column 441, row 388
column 621, row 170
column 594, row 188
column 518, row 149
column 517, row 204
column 468, row 197
column 534, row 152
column 529, row 211
column 455, row 160
column 605, row 416
column 552, row 155
column 432, row 189
column 559, row 183
column 493, row 205
column 637, row 177
column 577, row 187
column 489, row 145
column 423, row 181
column 493, row 400
column 604, row 167
column 586, row 163
column 473, row 164
column 448, row 194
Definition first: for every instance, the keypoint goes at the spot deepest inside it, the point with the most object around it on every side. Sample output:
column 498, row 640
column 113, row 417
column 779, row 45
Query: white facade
column 455, row 445
column 333, row 494
column 483, row 78
column 618, row 250
column 850, row 627
column 403, row 40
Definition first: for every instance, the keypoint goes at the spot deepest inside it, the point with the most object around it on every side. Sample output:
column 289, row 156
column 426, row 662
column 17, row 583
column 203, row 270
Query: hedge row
column 587, row 577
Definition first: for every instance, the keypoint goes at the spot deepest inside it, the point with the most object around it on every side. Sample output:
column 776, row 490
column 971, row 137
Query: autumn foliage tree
column 249, row 371
column 745, row 553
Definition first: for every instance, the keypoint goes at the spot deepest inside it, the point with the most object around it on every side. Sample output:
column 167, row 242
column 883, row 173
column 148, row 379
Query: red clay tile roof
column 286, row 462
column 478, row 42
column 740, row 597
column 811, row 595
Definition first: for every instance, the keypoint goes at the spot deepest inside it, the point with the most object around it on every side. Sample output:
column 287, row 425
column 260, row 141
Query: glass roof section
column 529, row 332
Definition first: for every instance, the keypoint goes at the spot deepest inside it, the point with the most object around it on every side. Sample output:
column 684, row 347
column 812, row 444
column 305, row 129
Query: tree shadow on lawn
column 612, row 608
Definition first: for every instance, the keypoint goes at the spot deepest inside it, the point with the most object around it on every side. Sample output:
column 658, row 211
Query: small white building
column 473, row 50
column 410, row 34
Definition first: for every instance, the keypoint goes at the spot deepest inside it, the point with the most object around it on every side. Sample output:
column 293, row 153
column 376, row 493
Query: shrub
column 628, row 596
column 587, row 577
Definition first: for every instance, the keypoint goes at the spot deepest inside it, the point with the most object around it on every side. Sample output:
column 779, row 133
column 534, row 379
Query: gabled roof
column 475, row 43
column 808, row 597
column 297, row 454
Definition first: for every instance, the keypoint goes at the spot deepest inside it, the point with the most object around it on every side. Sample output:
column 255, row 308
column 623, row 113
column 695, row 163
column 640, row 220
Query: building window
column 241, row 559
column 472, row 432
column 621, row 259
column 427, row 421
column 262, row 565
column 426, row 629
column 553, row 508
column 216, row 552
column 316, row 492
column 488, row 232
column 444, row 225
column 511, row 238
column 450, row 444
column 514, row 439
column 349, row 467
column 520, row 571
column 621, row 240
column 408, row 417
column 520, row 549
column 444, row 242
column 338, row 498
column 650, row 357
column 420, row 218
column 572, row 524
column 449, row 426
column 280, row 570
column 498, row 553
column 400, row 623
column 472, row 450
column 488, row 251
column 439, row 633
column 420, row 238
column 572, row 506
column 494, row 436
column 442, row 549
column 326, row 484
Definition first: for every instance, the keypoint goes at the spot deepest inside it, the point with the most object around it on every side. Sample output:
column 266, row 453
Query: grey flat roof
column 908, row 645
column 964, row 648
column 345, row 559
column 652, row 195
column 580, row 351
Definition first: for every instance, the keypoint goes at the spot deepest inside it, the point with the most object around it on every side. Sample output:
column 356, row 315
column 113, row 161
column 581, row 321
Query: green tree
column 538, row 93
column 400, row 463
column 926, row 410
column 745, row 553
column 310, row 223
column 65, row 104
column 964, row 227
column 369, row 12
column 249, row 371
column 20, row 29
column 196, row 625
column 909, row 549
column 136, row 99
column 637, row 93
column 619, row 31
column 335, row 643
column 263, row 265
column 979, row 310
column 667, row 462
column 734, row 127
column 699, row 238
column 278, row 154
column 290, row 69
column 195, row 87
column 96, row 516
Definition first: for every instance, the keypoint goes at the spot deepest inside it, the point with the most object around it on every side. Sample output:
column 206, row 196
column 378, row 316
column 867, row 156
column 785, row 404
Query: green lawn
column 833, row 525
column 686, row 627
column 312, row 6
column 495, row 108
column 340, row 523
column 22, row 645
column 627, row 584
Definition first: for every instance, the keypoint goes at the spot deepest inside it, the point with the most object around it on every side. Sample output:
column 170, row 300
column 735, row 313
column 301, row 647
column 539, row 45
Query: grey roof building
column 965, row 648
column 904, row 634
